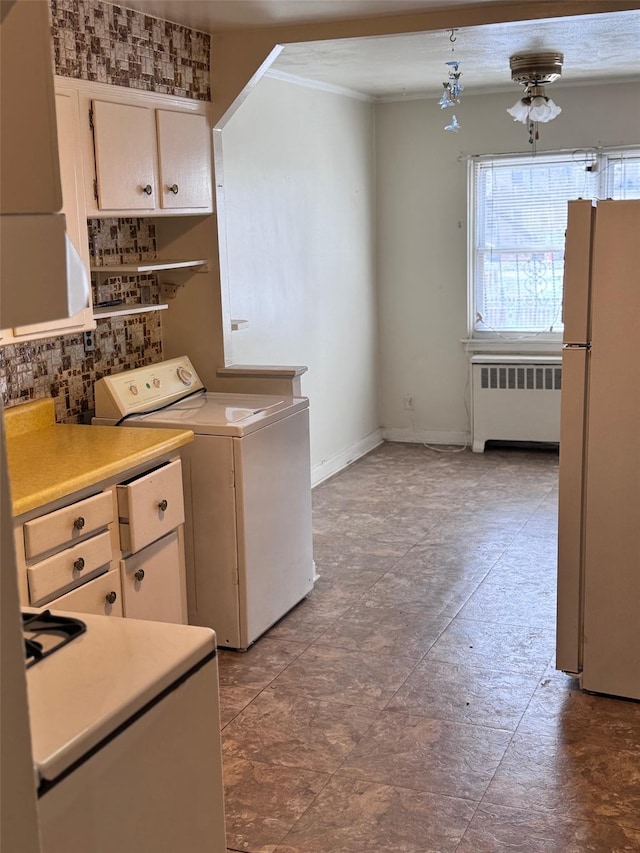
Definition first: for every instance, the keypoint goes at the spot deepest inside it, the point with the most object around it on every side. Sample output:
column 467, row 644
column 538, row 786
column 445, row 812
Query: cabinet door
column 184, row 153
column 73, row 207
column 29, row 171
column 125, row 152
column 153, row 582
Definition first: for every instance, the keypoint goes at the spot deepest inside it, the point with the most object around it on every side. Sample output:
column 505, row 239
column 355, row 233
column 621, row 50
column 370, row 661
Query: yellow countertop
column 47, row 461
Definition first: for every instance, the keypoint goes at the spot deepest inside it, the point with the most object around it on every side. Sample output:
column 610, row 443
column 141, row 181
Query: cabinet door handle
column 111, row 597
column 79, row 564
column 147, row 189
column 79, row 523
column 139, row 575
column 162, row 505
column 174, row 188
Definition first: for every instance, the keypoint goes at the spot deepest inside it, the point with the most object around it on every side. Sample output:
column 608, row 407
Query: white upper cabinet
column 73, row 207
column 125, row 153
column 147, row 154
column 29, row 172
column 184, row 153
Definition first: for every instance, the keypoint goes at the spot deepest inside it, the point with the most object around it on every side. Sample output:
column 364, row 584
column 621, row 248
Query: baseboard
column 426, row 436
column 328, row 467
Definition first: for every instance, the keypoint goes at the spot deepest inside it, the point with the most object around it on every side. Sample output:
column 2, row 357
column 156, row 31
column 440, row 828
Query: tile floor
column 410, row 704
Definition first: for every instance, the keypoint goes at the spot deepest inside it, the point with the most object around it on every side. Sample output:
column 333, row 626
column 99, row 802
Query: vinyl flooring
column 410, row 704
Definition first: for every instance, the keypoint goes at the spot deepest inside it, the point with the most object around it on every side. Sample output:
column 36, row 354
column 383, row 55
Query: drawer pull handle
column 163, row 505
column 79, row 523
column 174, row 189
column 111, row 597
column 139, row 575
column 148, row 189
column 79, row 564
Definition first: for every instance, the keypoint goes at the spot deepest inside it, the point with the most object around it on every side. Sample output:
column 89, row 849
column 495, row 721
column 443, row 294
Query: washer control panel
column 145, row 389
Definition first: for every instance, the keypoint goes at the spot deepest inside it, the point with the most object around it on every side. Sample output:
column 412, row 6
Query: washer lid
column 214, row 413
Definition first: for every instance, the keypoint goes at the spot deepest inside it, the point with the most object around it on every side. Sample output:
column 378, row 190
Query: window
column 519, row 208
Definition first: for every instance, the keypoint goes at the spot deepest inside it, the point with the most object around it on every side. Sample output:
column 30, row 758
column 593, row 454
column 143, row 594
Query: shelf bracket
column 168, row 290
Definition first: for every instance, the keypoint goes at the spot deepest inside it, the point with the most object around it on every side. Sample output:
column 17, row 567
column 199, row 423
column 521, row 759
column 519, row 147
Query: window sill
column 514, row 345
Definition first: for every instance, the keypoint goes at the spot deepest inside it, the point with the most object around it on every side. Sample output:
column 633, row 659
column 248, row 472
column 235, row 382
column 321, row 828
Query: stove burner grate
column 45, row 633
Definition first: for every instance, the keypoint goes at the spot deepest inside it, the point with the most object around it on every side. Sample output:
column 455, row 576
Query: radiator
column 515, row 398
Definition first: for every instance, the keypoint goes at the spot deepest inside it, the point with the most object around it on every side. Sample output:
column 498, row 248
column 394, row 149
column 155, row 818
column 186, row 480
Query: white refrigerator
column 598, row 616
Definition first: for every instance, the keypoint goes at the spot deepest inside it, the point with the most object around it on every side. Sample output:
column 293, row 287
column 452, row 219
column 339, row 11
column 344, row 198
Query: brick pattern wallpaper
column 105, row 43
column 98, row 41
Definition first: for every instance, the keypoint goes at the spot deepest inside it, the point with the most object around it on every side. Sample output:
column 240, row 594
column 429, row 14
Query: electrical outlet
column 408, row 401
column 89, row 341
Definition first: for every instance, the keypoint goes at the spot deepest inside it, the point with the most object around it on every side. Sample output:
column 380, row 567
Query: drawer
column 68, row 568
column 153, row 582
column 61, row 527
column 150, row 506
column 101, row 596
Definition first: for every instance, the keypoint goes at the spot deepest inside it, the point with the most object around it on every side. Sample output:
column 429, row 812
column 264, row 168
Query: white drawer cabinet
column 117, row 552
column 69, row 524
column 151, row 519
column 101, row 596
column 150, row 506
column 64, row 549
column 71, row 567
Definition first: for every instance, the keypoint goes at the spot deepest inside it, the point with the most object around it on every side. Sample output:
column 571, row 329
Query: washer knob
column 134, row 390
column 156, row 383
column 185, row 375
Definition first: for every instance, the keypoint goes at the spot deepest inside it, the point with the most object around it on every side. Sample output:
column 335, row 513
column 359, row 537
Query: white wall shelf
column 145, row 267
column 121, row 310
column 236, row 325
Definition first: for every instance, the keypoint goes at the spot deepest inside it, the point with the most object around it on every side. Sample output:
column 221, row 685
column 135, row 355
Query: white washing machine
column 247, row 485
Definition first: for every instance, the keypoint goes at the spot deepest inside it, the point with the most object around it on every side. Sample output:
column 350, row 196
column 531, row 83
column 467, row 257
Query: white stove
column 247, row 486
column 117, row 768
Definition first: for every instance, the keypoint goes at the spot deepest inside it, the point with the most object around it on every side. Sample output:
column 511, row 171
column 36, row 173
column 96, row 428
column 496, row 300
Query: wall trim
column 276, row 74
column 426, row 436
column 126, row 94
column 328, row 467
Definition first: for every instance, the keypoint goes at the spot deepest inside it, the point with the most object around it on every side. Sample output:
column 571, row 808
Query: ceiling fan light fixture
column 534, row 68
column 543, row 109
column 534, row 71
column 519, row 111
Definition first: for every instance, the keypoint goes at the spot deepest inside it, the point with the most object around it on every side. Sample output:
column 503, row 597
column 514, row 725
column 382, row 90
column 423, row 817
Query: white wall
column 300, row 216
column 422, row 219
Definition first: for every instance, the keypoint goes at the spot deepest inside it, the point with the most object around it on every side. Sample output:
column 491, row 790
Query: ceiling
column 216, row 15
column 597, row 48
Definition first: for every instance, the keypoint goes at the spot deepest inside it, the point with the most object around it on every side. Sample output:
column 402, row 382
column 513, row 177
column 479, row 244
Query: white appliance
column 599, row 503
column 247, row 486
column 125, row 732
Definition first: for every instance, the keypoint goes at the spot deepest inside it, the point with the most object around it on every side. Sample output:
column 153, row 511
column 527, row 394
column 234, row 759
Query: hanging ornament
column 452, row 87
